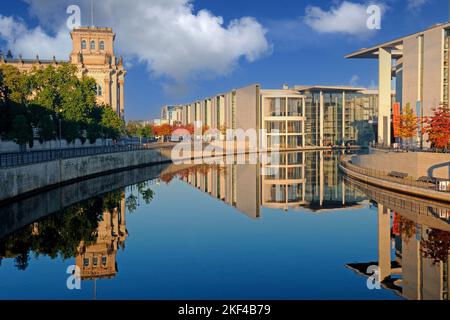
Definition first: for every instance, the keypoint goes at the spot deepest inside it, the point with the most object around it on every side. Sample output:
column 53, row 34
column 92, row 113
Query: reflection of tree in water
column 143, row 189
column 61, row 233
column 407, row 228
column 437, row 246
column 184, row 173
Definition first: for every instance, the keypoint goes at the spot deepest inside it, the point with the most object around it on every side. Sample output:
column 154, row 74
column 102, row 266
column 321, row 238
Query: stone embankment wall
column 30, row 178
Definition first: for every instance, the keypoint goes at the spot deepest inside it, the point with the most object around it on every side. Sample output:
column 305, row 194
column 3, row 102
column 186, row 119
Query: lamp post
column 60, row 128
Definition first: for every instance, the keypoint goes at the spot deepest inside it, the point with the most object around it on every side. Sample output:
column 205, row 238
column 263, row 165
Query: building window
column 102, row 45
column 92, row 45
column 95, row 261
column 83, row 44
column 98, row 90
column 86, row 262
column 104, row 261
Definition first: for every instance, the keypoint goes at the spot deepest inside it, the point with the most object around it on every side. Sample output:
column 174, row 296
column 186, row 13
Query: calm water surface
column 297, row 230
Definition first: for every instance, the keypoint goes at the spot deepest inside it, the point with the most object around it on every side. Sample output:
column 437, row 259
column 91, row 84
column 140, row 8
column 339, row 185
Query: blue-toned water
column 199, row 233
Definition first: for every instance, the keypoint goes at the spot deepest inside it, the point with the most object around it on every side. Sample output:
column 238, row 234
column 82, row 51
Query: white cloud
column 354, row 80
column 346, row 18
column 168, row 36
column 416, row 5
column 32, row 42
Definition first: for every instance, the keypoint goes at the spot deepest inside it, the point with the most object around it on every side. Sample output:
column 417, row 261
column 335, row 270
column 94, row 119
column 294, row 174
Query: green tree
column 132, row 129
column 22, row 131
column 111, row 123
column 18, row 85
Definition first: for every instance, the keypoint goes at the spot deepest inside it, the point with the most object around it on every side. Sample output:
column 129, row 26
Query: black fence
column 409, row 149
column 14, row 159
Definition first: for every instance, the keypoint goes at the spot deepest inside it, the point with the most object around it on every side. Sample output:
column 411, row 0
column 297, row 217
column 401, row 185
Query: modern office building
column 419, row 64
column 93, row 54
column 172, row 114
column 303, row 116
column 339, row 115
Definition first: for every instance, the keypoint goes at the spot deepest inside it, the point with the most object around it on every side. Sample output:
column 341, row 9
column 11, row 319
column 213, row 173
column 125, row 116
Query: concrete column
column 321, row 179
column 343, row 192
column 384, row 242
column 107, row 91
column 321, row 117
column 122, row 98
column 343, row 118
column 384, row 96
column 303, row 124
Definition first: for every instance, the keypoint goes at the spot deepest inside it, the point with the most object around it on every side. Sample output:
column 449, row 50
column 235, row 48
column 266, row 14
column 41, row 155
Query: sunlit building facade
column 338, row 115
column 94, row 56
column 419, row 64
column 302, row 116
column 172, row 114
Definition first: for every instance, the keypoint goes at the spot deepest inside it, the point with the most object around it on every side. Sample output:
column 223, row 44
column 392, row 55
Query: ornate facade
column 93, row 54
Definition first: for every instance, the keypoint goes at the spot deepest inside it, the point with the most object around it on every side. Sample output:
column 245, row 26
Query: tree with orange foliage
column 407, row 123
column 190, row 127
column 438, row 128
column 164, row 130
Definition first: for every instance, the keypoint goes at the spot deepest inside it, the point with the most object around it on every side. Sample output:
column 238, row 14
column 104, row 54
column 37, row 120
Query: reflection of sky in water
column 187, row 245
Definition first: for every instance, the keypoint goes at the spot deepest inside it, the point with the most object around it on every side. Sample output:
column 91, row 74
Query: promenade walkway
column 383, row 179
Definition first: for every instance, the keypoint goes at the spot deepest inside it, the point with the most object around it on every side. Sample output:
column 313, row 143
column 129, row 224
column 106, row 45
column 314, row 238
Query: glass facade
column 284, row 121
column 348, row 117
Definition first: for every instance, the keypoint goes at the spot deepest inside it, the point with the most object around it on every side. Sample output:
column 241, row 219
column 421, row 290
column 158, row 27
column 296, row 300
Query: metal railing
column 408, row 149
column 14, row 159
column 382, row 175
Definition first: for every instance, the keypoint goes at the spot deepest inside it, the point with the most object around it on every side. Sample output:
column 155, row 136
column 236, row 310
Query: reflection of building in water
column 98, row 260
column 283, row 184
column 413, row 247
column 237, row 186
column 291, row 180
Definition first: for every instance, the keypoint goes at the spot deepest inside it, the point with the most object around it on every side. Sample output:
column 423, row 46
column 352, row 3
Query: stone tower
column 93, row 54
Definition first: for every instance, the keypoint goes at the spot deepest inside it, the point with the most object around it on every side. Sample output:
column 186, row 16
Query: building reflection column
column 321, row 178
column 321, row 119
column 384, row 241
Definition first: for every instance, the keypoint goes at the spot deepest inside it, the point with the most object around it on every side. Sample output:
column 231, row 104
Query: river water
column 297, row 230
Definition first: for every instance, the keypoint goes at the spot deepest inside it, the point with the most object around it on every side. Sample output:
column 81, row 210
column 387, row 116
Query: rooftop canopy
column 395, row 47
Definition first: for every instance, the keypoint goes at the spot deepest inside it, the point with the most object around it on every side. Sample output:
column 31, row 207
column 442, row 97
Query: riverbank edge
column 397, row 187
column 24, row 181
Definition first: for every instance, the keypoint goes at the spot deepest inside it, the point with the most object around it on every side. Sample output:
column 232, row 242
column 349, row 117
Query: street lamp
column 60, row 127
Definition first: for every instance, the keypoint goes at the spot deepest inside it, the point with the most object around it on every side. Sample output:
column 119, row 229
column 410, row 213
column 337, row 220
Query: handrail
column 14, row 159
column 374, row 173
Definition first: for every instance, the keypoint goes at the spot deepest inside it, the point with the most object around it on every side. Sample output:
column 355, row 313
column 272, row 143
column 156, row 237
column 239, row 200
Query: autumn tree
column 407, row 124
column 163, row 130
column 438, row 128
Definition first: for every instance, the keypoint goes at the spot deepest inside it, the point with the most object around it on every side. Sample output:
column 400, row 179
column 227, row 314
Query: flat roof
column 330, row 88
column 395, row 45
column 30, row 61
column 280, row 92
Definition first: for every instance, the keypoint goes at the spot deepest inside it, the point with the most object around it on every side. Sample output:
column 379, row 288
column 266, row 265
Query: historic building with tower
column 93, row 54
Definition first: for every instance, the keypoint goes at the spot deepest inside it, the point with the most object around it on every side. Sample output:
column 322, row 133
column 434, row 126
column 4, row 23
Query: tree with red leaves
column 437, row 246
column 438, row 128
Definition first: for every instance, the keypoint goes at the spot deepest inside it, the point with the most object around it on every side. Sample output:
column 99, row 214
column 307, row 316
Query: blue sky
column 172, row 56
